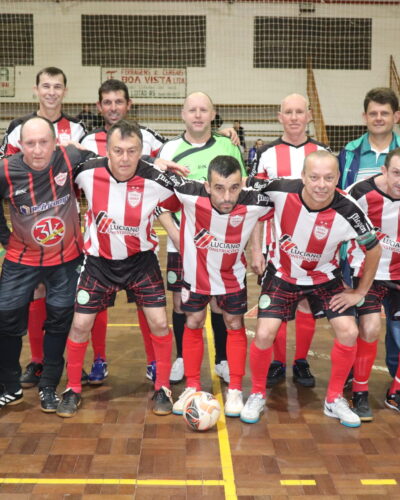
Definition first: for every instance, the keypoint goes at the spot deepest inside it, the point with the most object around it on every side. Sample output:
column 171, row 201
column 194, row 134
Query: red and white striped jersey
column 212, row 244
column 305, row 251
column 66, row 128
column 120, row 214
column 43, row 208
column 96, row 141
column 384, row 213
column 281, row 159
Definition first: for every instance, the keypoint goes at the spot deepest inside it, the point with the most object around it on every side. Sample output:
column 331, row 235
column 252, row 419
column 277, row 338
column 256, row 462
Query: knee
column 369, row 331
column 234, row 323
column 80, row 328
column 14, row 322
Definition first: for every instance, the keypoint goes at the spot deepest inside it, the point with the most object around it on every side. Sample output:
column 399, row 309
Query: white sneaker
column 253, row 408
column 340, row 409
column 234, row 403
column 177, row 409
column 177, row 371
column 222, row 370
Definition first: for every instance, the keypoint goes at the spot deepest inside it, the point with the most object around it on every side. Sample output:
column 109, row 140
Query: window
column 16, row 40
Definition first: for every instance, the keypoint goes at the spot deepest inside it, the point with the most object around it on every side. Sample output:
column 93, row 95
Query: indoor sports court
column 247, row 56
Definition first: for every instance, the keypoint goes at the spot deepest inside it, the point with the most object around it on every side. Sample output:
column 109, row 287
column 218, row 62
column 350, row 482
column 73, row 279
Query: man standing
column 44, row 247
column 311, row 219
column 195, row 148
column 122, row 192
column 379, row 197
column 285, row 158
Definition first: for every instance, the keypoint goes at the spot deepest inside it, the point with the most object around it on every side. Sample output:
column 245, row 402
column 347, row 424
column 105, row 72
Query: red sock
column 305, row 328
column 365, row 357
column 75, row 357
column 193, row 346
column 99, row 331
column 260, row 359
column 163, row 350
column 146, row 334
column 396, row 381
column 236, row 350
column 37, row 317
column 280, row 344
column 342, row 359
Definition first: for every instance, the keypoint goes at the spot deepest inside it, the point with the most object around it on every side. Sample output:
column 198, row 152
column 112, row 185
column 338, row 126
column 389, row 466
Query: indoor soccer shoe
column 276, row 373
column 177, row 371
column 10, row 398
column 222, row 370
column 162, row 401
column 393, row 401
column 302, row 374
column 31, row 375
column 339, row 408
column 253, row 408
column 99, row 372
column 234, row 403
column 151, row 371
column 177, row 408
column 48, row 399
column 69, row 404
column 360, row 406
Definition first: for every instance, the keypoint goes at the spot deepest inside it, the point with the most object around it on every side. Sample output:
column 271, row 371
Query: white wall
column 229, row 76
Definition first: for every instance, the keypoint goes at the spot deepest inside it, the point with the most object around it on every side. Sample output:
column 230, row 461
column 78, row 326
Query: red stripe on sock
column 236, row 350
column 99, row 332
column 342, row 359
column 260, row 359
column 75, row 357
column 163, row 350
column 193, row 346
column 365, row 357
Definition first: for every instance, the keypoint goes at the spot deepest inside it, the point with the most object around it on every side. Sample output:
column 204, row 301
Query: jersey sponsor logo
column 20, row 191
column 107, row 225
column 262, row 199
column 134, row 198
column 358, row 223
column 185, row 294
column 386, row 242
column 321, row 232
column 61, row 178
column 26, row 210
column 49, row 231
column 288, row 246
column 204, row 240
column 236, row 220
column 63, row 136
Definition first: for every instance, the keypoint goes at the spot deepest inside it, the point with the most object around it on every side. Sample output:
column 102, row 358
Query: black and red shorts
column 381, row 289
column 101, row 279
column 233, row 303
column 279, row 299
column 174, row 272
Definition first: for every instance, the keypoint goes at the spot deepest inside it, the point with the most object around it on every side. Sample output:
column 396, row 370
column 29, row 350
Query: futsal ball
column 201, row 411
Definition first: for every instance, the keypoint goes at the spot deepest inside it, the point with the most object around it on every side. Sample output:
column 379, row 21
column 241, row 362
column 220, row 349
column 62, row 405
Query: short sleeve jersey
column 66, row 127
column 384, row 213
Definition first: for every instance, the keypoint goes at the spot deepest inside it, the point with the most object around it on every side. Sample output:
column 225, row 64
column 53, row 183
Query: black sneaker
column 393, row 401
column 162, row 401
column 360, row 406
column 276, row 373
column 69, row 404
column 31, row 375
column 84, row 378
column 10, row 398
column 48, row 399
column 349, row 381
column 302, row 374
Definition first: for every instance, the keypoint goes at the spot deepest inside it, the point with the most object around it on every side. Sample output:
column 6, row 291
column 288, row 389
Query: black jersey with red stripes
column 43, row 208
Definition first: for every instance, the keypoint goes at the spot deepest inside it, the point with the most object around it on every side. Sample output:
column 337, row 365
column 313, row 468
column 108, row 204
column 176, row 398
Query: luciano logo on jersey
column 106, row 224
column 203, row 239
column 286, row 244
column 386, row 242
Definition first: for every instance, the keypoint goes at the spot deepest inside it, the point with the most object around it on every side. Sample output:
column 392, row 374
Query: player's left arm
column 164, row 165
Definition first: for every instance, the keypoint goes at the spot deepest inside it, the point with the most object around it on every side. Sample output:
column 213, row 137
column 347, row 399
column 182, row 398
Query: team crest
column 236, row 220
column 321, row 232
column 134, row 198
column 63, row 136
column 61, row 178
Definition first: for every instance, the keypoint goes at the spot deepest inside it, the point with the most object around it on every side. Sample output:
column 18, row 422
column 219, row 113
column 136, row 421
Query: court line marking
column 147, row 482
column 298, row 482
column 223, row 438
column 367, row 482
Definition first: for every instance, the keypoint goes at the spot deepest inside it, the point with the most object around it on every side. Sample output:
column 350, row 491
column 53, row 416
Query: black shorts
column 232, row 303
column 279, row 299
column 101, row 279
column 380, row 290
column 174, row 272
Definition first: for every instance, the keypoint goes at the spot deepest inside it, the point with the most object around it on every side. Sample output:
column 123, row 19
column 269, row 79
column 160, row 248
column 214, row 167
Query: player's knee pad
column 58, row 320
column 14, row 322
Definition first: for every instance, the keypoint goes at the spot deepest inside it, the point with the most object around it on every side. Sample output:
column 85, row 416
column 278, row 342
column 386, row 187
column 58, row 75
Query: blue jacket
column 349, row 160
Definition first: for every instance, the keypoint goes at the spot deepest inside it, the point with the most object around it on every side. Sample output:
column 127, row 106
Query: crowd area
column 323, row 230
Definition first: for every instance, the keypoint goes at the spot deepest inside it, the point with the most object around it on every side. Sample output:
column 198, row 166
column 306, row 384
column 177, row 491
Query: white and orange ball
column 201, row 411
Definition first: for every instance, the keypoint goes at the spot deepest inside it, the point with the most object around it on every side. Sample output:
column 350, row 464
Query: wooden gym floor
column 115, row 448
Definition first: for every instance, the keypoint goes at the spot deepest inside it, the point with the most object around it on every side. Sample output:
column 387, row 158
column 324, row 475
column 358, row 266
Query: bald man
column 195, row 148
column 284, row 158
